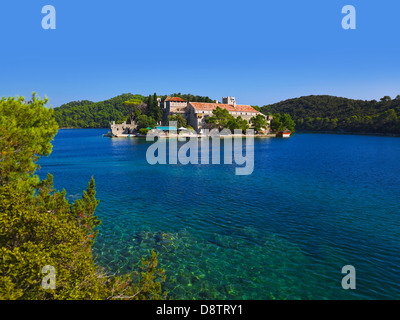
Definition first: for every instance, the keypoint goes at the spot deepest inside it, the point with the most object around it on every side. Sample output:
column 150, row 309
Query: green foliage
column 145, row 284
column 88, row 114
column 219, row 119
column 232, row 124
column 237, row 123
column 136, row 113
column 181, row 121
column 143, row 130
column 144, row 121
column 26, row 132
column 149, row 286
column 39, row 227
column 190, row 97
column 282, row 122
column 135, row 106
column 328, row 113
column 45, row 230
column 154, row 111
column 258, row 122
column 132, row 102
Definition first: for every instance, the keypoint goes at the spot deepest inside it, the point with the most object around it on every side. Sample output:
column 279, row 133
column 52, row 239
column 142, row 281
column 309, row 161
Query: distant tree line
column 125, row 107
column 89, row 114
column 311, row 113
column 190, row 97
column 329, row 113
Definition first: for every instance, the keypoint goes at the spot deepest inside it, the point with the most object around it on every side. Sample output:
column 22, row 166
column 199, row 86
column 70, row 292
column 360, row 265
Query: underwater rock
column 138, row 238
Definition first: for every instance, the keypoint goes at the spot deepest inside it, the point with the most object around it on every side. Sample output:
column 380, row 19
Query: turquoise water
column 313, row 204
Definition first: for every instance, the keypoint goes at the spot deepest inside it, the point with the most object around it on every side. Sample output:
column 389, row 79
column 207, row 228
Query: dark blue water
column 313, row 204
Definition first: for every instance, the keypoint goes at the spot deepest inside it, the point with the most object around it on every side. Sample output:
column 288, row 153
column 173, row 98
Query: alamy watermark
column 49, row 20
column 238, row 148
column 349, row 280
column 349, row 20
column 49, row 281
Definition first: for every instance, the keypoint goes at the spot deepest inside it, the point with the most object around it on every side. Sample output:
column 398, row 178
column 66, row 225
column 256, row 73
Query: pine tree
column 157, row 113
column 150, row 105
column 39, row 227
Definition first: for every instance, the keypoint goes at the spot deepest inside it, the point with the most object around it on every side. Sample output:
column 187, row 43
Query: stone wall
column 123, row 128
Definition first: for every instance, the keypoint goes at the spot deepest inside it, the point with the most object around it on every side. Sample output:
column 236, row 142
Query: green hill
column 89, row 114
column 329, row 113
column 310, row 113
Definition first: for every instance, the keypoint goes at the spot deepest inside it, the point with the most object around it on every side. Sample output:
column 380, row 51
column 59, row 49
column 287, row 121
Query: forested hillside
column 89, row 114
column 311, row 113
column 329, row 113
column 191, row 97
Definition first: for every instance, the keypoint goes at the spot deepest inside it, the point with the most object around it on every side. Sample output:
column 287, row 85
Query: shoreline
column 376, row 134
column 177, row 136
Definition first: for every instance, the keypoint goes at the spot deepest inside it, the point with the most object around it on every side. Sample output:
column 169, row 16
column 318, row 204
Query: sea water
column 313, row 204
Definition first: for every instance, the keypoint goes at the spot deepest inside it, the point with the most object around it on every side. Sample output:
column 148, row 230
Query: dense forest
column 310, row 113
column 190, row 97
column 41, row 231
column 89, row 114
column 329, row 113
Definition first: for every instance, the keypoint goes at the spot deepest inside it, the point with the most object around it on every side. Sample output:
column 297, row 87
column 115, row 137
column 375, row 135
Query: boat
column 283, row 134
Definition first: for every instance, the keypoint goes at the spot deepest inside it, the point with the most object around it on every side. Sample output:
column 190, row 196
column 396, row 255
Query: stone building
column 196, row 113
column 122, row 129
column 173, row 105
column 199, row 111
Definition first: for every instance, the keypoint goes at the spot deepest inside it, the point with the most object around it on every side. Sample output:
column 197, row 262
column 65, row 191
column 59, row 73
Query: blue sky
column 259, row 51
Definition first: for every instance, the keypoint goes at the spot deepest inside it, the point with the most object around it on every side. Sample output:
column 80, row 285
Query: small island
column 193, row 119
column 314, row 113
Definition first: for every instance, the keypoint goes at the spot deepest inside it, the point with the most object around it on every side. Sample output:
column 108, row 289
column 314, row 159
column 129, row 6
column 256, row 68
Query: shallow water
column 313, row 204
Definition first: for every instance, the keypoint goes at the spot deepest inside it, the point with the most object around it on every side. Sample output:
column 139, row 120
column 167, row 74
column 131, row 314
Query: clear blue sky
column 259, row 51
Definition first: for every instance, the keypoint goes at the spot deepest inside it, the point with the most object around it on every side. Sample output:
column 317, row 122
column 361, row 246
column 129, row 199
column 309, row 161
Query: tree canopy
column 259, row 122
column 329, row 113
column 144, row 121
column 89, row 114
column 40, row 230
column 237, row 123
column 282, row 122
column 26, row 131
column 190, row 97
column 181, row 121
column 219, row 119
column 153, row 110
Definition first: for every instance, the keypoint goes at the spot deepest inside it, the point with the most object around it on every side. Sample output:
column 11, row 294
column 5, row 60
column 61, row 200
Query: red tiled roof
column 211, row 106
column 179, row 99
